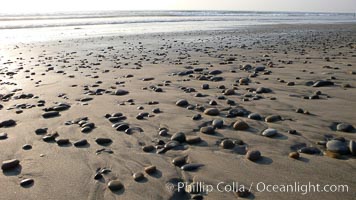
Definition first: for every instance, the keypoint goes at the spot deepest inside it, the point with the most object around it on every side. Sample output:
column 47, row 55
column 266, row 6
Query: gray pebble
column 115, row 185
column 253, row 155
column 337, row 146
column 270, row 132
column 212, row 111
column 207, row 130
column 179, row 137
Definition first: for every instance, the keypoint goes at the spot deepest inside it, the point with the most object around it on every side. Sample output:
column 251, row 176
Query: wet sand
column 143, row 100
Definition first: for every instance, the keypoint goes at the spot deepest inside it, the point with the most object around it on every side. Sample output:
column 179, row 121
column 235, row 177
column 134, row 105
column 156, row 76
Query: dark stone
column 261, row 90
column 218, row 123
column 227, row 144
column 237, row 112
column 260, row 68
column 240, row 125
column 80, row 143
column 196, row 117
column 182, row 103
column 41, row 131
column 273, row 118
column 270, row 132
column 229, row 92
column 50, row 114
column 323, row 83
column 98, row 176
column 10, row 164
column 7, row 123
column 191, row 167
column 27, row 182
column 179, row 137
column 212, row 111
column 243, row 192
column 3, row 136
column 253, row 155
column 26, row 147
column 205, row 86
column 215, row 72
column 122, row 127
column 179, row 161
column 309, row 150
column 207, row 130
column 121, row 92
column 103, row 141
column 62, row 142
column 86, row 129
column 254, row 116
column 148, row 148
column 115, row 185
column 138, row 176
column 337, row 146
column 193, row 139
column 50, row 137
column 345, row 127
column 156, row 110
column 294, row 155
column 150, row 169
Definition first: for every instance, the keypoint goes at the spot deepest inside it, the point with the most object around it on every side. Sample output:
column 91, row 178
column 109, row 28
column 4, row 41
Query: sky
column 20, row 6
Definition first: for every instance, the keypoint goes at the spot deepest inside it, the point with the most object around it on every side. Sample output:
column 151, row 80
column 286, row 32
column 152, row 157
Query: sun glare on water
column 45, row 6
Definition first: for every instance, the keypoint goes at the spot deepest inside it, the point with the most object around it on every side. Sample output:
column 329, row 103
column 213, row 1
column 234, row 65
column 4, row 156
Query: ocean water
column 24, row 28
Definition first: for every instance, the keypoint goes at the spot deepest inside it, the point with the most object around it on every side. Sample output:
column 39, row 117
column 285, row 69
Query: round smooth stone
column 240, row 125
column 148, row 148
column 227, row 144
column 196, row 117
column 229, row 92
column 254, row 116
column 27, row 182
column 179, row 161
column 193, row 139
column 103, row 141
column 10, row 164
column 3, row 136
column 218, row 123
column 253, row 155
column 309, row 150
column 80, row 143
column 344, row 127
column 205, row 86
column 191, row 166
column 179, row 137
column 294, row 155
column 26, row 147
column 182, row 103
column 337, row 146
column 115, row 185
column 163, row 133
column 41, row 131
column 62, row 142
column 138, row 176
column 86, row 129
column 270, row 132
column 207, row 130
column 121, row 92
column 150, row 169
column 212, row 111
column 50, row 114
column 273, row 118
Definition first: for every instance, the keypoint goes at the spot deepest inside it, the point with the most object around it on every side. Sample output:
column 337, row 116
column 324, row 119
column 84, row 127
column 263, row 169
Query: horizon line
column 179, row 10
